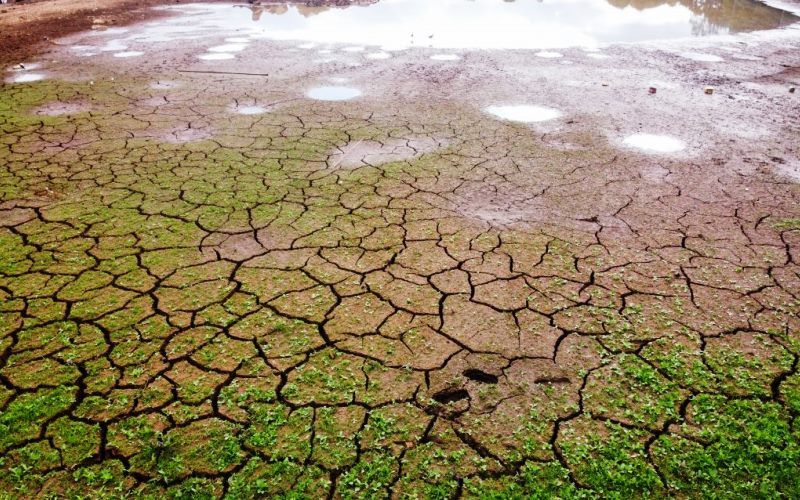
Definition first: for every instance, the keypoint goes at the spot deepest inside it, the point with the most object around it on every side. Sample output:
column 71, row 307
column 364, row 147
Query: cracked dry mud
column 375, row 298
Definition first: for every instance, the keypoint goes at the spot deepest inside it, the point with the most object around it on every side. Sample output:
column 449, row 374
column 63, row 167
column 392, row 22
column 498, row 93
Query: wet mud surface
column 212, row 284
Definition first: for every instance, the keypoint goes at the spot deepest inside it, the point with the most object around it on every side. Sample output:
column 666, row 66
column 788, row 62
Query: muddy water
column 491, row 24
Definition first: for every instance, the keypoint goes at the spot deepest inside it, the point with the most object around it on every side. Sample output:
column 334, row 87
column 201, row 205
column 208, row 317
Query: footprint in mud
column 480, row 376
column 447, row 396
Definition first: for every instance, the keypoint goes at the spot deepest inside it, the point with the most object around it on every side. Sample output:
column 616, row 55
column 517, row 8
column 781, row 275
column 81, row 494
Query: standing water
column 488, row 24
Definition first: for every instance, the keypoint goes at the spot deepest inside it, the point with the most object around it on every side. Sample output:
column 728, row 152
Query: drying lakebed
column 406, row 249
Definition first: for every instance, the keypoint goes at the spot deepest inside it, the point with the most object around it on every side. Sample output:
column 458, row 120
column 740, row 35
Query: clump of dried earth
column 400, row 295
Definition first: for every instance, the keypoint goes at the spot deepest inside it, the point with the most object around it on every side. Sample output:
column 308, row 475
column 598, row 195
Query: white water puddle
column 333, row 93
column 114, row 46
column 216, row 56
column 354, row 49
column 26, row 78
column 129, row 53
column 548, row 54
column 250, row 110
column 378, row 55
column 524, row 113
column 445, row 57
column 654, row 143
column 701, row 57
column 228, row 47
column 237, row 39
column 307, row 46
column 476, row 24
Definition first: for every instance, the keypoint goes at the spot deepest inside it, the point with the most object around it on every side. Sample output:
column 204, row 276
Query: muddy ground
column 213, row 285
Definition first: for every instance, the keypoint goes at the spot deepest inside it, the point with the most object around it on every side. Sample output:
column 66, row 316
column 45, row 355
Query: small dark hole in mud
column 552, row 380
column 450, row 395
column 480, row 376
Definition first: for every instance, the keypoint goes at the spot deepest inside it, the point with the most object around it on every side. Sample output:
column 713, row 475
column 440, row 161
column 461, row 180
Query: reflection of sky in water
column 476, row 23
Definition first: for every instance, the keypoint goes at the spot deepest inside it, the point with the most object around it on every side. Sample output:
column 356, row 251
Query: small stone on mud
column 708, row 90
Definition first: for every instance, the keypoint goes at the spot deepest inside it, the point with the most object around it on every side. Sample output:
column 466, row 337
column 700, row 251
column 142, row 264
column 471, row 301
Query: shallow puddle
column 331, row 93
column 216, row 56
column 26, row 77
column 654, row 143
column 445, row 57
column 129, row 53
column 524, row 113
column 250, row 110
column 228, row 47
column 489, row 24
column 549, row 54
